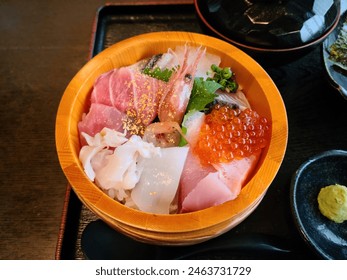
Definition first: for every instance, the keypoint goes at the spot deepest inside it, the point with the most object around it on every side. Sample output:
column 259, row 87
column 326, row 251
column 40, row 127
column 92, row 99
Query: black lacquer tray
column 317, row 118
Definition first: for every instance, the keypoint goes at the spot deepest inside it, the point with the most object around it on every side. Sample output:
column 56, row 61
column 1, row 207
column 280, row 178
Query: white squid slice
column 86, row 155
column 105, row 138
column 121, row 172
column 159, row 180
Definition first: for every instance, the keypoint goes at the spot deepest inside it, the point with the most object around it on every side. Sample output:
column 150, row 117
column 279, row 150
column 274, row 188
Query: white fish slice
column 238, row 98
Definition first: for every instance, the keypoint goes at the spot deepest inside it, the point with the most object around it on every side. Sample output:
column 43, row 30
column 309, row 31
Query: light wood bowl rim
column 109, row 209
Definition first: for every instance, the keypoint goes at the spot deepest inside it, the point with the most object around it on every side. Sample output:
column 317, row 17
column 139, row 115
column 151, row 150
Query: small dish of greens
column 335, row 55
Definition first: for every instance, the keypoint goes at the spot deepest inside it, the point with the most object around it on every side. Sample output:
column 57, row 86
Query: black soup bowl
column 264, row 28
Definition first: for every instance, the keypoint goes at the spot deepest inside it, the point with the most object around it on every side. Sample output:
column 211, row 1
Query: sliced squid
column 121, row 172
column 159, row 180
column 105, row 138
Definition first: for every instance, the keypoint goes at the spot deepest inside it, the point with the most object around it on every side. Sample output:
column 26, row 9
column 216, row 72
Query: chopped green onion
column 225, row 77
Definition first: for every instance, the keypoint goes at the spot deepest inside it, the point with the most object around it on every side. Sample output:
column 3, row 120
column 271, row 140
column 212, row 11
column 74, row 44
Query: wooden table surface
column 43, row 45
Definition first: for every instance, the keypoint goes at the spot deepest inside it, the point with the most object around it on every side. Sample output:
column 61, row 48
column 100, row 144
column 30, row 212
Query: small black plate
column 327, row 238
column 336, row 75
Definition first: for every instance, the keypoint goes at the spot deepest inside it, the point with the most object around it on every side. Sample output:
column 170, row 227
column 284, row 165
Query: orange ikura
column 229, row 133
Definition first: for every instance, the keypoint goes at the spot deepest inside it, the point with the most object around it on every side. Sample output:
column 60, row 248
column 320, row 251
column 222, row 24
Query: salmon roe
column 229, row 133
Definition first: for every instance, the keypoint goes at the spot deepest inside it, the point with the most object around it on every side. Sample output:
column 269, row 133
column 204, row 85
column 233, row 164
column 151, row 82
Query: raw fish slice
column 147, row 92
column 193, row 122
column 114, row 88
column 203, row 68
column 98, row 117
column 159, row 180
column 235, row 173
column 221, row 182
column 193, row 171
column 121, row 89
column 172, row 59
column 238, row 98
column 167, row 61
column 131, row 92
column 216, row 187
column 192, row 174
column 101, row 86
column 210, row 191
column 163, row 61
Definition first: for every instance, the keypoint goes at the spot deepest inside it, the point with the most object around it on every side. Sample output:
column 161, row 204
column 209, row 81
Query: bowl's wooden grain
column 177, row 229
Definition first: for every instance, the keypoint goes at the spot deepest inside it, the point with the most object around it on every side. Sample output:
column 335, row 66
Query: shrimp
column 164, row 134
column 174, row 103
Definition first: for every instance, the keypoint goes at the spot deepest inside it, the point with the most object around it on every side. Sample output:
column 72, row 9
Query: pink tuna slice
column 206, row 186
column 101, row 88
column 98, row 117
column 199, row 192
column 129, row 91
column 192, row 174
column 209, row 191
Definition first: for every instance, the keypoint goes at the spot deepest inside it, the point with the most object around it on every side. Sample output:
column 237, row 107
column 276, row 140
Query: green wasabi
column 332, row 202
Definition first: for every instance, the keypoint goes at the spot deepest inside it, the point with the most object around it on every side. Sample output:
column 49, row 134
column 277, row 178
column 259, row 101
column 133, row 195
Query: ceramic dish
column 260, row 27
column 327, row 238
column 175, row 229
column 336, row 75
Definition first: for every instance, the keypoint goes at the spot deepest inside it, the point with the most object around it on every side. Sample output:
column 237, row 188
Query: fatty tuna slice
column 130, row 92
column 101, row 88
column 98, row 117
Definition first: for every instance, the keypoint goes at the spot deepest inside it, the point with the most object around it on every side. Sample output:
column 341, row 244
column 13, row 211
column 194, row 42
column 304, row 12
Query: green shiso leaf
column 203, row 93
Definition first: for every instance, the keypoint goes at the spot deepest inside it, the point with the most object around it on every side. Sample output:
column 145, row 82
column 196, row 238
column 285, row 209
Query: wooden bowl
column 176, row 229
